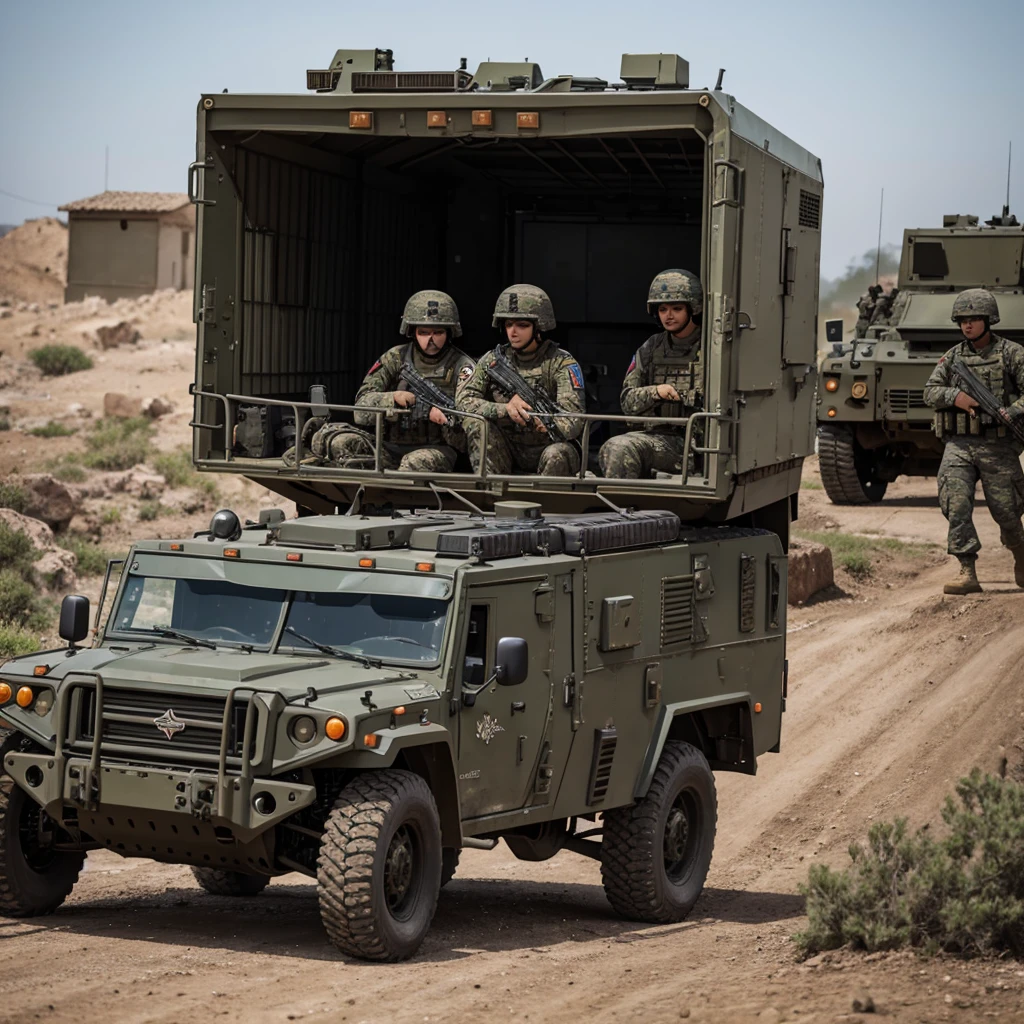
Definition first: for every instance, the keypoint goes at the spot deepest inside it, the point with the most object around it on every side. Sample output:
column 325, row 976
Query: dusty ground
column 895, row 691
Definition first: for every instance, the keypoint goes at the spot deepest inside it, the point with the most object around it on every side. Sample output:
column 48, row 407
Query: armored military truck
column 414, row 666
column 873, row 423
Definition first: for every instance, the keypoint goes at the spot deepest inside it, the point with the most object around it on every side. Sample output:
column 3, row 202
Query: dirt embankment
column 34, row 262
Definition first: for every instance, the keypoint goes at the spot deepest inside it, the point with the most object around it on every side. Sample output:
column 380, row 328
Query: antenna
column 1009, row 162
column 721, row 75
column 878, row 248
column 106, row 167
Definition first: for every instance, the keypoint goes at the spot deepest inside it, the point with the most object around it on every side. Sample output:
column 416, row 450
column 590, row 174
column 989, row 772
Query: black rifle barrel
column 428, row 396
column 970, row 384
column 504, row 374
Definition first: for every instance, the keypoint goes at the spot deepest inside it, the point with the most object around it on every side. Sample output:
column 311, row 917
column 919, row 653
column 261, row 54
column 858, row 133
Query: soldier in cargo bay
column 425, row 440
column 665, row 378
column 520, row 387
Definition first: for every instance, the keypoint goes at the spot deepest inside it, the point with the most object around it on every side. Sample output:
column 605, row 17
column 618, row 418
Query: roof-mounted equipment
column 346, row 63
column 506, row 77
column 655, row 71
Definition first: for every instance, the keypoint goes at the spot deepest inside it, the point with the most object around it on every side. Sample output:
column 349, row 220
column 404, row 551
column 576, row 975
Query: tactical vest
column 417, row 428
column 991, row 370
column 669, row 363
column 541, row 374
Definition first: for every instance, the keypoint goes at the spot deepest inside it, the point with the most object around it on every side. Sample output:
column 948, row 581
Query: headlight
column 831, row 383
column 43, row 702
column 5, row 692
column 303, row 729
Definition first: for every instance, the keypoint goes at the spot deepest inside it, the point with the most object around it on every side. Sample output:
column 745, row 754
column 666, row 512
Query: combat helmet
column 975, row 302
column 524, row 302
column 431, row 309
column 676, row 286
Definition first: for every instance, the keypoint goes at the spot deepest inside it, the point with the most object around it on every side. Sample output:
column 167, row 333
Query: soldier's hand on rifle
column 405, row 399
column 518, row 411
column 668, row 393
column 965, row 402
column 438, row 417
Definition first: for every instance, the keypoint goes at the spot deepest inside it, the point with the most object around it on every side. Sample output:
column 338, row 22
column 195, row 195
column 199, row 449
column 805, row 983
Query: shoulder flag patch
column 575, row 376
column 466, row 372
column 374, row 368
column 632, row 365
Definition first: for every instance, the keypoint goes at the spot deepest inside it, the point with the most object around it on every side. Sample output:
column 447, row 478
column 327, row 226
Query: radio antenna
column 878, row 248
column 1009, row 162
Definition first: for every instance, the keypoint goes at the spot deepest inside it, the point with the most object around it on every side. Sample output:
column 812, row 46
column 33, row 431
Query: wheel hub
column 399, row 866
column 678, row 844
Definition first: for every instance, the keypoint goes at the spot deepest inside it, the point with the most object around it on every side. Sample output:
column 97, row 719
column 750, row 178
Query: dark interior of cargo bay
column 339, row 230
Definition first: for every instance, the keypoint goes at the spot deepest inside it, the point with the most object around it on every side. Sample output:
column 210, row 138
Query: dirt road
column 895, row 692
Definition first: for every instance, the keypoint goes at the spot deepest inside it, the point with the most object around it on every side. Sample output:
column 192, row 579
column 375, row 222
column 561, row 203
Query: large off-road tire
column 656, row 853
column 449, row 864
column 379, row 871
column 230, row 883
column 849, row 473
column 34, row 878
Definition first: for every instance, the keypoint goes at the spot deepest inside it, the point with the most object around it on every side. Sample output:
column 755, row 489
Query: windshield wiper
column 337, row 652
column 177, row 634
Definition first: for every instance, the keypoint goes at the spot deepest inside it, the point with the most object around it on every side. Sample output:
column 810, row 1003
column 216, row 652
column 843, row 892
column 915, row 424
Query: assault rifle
column 427, row 395
column 970, row 384
column 505, row 375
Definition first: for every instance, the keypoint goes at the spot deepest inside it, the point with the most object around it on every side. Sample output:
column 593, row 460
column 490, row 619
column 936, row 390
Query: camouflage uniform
column 411, row 441
column 866, row 309
column 883, row 309
column 661, row 359
column 550, row 369
column 977, row 447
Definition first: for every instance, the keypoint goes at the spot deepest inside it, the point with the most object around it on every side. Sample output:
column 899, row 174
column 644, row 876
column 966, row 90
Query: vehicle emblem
column 169, row 724
column 487, row 728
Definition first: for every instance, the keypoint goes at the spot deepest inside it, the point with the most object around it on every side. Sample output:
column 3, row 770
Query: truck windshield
column 393, row 627
column 214, row 610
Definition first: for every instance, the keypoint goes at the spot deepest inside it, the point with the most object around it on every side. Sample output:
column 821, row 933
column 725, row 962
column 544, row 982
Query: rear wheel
column 379, row 871
column 655, row 854
column 35, row 876
column 849, row 472
column 230, row 883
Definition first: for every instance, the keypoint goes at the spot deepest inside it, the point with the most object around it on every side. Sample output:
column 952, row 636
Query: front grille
column 128, row 724
column 903, row 401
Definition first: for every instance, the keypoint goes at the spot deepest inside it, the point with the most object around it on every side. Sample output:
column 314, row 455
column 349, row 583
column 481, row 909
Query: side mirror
column 834, row 330
column 512, row 663
column 74, row 618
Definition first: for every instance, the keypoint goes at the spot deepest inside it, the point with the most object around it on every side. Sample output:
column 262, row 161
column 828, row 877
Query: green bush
column 175, row 467
column 92, row 559
column 110, row 516
column 53, row 429
column 17, row 552
column 57, row 360
column 150, row 510
column 15, row 641
column 13, row 496
column 20, row 604
column 67, row 468
column 960, row 894
column 856, row 553
column 5, row 422
column 118, row 444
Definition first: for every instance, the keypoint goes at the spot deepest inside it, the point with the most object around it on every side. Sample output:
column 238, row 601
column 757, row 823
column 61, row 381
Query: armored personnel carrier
column 416, row 666
column 873, row 423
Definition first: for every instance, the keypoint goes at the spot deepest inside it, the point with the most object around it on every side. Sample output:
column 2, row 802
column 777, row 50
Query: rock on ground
column 115, row 335
column 54, row 563
column 49, row 500
column 810, row 569
column 119, row 406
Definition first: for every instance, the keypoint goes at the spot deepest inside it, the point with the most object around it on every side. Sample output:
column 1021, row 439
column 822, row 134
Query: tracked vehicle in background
column 873, row 423
column 415, row 666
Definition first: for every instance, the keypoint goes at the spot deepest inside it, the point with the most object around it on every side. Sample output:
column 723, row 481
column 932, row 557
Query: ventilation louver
column 810, row 209
column 410, row 81
column 605, row 741
column 676, row 610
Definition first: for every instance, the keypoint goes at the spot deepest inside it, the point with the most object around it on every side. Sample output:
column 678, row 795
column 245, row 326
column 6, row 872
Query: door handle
column 518, row 705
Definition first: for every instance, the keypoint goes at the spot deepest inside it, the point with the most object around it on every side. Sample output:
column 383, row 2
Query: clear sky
column 920, row 98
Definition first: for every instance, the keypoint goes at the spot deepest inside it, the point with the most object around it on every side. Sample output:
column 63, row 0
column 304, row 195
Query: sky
column 918, row 98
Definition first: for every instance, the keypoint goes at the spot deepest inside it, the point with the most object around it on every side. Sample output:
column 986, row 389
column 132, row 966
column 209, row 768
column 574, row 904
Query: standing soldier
column 665, row 378
column 533, row 440
column 978, row 446
column 423, row 441
column 866, row 309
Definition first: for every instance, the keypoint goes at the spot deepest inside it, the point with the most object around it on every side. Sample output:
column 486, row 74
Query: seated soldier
column 424, row 440
column 533, row 440
column 665, row 378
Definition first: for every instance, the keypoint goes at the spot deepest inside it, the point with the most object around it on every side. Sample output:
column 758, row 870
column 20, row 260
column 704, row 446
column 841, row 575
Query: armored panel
column 613, row 532
column 508, row 539
column 353, row 533
column 620, row 623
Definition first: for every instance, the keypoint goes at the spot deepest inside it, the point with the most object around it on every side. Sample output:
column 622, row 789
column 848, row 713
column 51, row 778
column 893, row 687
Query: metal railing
column 302, row 411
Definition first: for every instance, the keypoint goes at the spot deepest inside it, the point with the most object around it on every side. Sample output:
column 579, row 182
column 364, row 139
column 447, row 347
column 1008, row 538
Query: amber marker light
column 40, row 670
column 528, row 119
column 367, row 563
column 335, row 729
column 5, row 693
column 757, row 708
column 25, row 696
column 859, row 390
column 371, row 739
column 293, row 556
column 482, row 119
column 437, row 119
column 232, row 553
column 177, row 547
column 831, row 384
column 360, row 119
column 831, row 413
column 424, row 566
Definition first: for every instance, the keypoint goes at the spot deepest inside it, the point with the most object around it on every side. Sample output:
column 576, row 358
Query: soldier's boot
column 966, row 581
column 1018, row 564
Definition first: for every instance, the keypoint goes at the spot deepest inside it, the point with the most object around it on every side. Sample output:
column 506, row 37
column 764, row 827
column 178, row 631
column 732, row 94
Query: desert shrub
column 15, row 641
column 92, row 559
column 57, row 360
column 150, row 510
column 963, row 893
column 21, row 606
column 856, row 553
column 110, row 516
column 68, row 468
column 53, row 429
column 118, row 444
column 17, row 552
column 13, row 496
column 175, row 467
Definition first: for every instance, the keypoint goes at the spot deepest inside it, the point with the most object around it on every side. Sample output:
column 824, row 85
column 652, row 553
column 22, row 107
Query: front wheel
column 379, row 870
column 656, row 853
column 35, row 876
column 220, row 882
column 849, row 472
